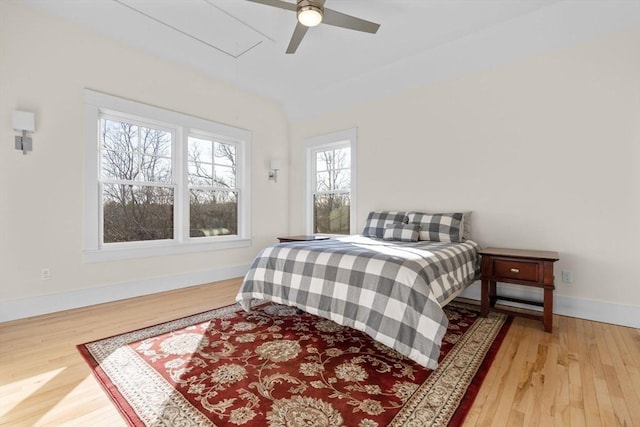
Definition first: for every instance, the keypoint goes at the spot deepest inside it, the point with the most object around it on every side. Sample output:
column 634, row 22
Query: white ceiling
column 419, row 41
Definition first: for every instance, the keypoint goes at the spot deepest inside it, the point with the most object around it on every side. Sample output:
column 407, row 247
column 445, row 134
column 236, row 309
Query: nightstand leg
column 484, row 298
column 547, row 317
column 493, row 296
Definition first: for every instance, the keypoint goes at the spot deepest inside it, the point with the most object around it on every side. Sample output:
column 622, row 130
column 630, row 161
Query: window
column 136, row 177
column 160, row 182
column 330, row 197
column 213, row 194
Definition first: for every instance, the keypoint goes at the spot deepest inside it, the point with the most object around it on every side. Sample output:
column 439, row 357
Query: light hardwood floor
column 584, row 373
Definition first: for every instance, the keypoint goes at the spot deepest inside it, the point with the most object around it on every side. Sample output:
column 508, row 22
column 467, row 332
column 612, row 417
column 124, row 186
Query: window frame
column 97, row 105
column 187, row 186
column 339, row 139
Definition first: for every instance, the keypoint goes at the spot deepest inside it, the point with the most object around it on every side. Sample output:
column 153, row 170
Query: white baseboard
column 582, row 308
column 43, row 304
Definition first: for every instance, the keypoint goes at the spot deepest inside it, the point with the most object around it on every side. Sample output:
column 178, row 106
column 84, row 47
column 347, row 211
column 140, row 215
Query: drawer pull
column 515, row 270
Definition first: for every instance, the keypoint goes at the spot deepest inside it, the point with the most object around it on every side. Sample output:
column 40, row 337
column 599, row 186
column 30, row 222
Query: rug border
column 474, row 387
column 125, row 410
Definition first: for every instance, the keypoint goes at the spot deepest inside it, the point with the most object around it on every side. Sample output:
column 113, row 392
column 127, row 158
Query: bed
column 393, row 290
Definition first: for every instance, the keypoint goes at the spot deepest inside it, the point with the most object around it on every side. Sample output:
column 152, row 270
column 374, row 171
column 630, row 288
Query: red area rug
column 274, row 367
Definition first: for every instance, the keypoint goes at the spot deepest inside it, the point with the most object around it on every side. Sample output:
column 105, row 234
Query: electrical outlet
column 45, row 274
column 567, row 276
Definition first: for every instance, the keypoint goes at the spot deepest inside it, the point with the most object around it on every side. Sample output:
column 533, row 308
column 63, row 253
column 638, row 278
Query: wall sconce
column 273, row 173
column 24, row 122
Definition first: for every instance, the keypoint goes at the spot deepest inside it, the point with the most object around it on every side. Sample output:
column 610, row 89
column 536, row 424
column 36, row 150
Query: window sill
column 123, row 253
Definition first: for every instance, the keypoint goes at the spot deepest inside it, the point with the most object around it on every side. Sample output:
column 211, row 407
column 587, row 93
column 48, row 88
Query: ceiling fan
column 312, row 12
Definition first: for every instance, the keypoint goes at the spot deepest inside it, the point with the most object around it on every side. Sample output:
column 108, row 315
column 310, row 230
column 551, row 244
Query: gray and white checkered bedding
column 392, row 291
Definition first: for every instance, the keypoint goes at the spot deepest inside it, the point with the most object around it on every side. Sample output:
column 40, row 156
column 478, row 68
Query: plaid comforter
column 392, row 291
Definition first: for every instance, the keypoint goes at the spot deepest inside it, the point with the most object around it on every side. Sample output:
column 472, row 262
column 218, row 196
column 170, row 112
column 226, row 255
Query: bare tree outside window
column 332, row 195
column 213, row 188
column 137, row 195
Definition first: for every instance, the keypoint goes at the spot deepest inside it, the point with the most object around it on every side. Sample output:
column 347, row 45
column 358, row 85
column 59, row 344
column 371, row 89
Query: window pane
column 225, row 155
column 118, row 135
column 323, row 182
column 213, row 213
column 155, row 169
column 200, row 174
column 134, row 153
column 343, row 157
column 137, row 212
column 331, row 213
column 211, row 163
column 328, row 160
column 119, row 165
column 339, row 179
column 333, row 169
column 200, row 150
column 225, row 177
column 155, row 142
column 321, row 160
column 118, row 154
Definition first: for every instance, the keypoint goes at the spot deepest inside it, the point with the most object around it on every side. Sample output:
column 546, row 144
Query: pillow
column 466, row 222
column 444, row 227
column 377, row 221
column 402, row 232
column 466, row 226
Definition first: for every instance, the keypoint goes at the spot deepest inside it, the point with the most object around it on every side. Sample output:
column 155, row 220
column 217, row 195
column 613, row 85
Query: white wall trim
column 159, row 249
column 43, row 304
column 582, row 308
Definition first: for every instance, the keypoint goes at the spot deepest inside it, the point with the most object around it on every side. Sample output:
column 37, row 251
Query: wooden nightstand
column 522, row 267
column 301, row 238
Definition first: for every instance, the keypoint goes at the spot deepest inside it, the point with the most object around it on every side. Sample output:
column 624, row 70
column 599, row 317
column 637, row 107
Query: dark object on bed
column 304, row 238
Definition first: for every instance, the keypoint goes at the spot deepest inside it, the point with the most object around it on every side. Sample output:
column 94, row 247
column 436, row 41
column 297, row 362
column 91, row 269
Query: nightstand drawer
column 519, row 270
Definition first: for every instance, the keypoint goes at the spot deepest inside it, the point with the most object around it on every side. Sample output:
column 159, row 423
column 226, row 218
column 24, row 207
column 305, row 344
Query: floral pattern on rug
column 273, row 366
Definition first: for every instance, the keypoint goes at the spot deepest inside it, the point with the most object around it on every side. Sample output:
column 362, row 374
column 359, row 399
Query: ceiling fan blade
column 296, row 38
column 338, row 19
column 277, row 3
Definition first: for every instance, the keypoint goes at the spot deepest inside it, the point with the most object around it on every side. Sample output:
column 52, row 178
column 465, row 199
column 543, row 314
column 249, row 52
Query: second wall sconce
column 273, row 173
column 24, row 121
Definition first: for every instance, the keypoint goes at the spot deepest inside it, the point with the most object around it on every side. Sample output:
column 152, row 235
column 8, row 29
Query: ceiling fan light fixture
column 309, row 15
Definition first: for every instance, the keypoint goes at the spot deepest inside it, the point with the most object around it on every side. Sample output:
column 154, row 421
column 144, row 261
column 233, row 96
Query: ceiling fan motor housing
column 303, row 3
column 309, row 13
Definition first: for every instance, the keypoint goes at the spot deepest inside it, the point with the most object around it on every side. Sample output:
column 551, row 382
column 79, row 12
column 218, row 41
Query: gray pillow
column 377, row 221
column 466, row 222
column 402, row 232
column 443, row 227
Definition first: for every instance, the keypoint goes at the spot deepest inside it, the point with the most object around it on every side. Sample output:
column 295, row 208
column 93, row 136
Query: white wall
column 545, row 151
column 45, row 64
